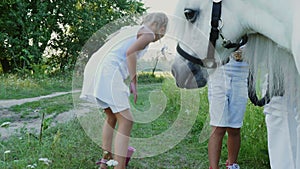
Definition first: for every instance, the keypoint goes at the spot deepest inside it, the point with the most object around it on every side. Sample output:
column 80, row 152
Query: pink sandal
column 130, row 151
column 102, row 161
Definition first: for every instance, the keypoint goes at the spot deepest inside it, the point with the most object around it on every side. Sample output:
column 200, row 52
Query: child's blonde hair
column 159, row 18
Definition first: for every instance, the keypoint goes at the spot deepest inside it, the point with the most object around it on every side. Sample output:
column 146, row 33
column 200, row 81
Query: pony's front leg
column 298, row 140
column 296, row 36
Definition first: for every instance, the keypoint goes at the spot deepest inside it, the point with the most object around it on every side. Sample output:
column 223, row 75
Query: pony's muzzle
column 189, row 75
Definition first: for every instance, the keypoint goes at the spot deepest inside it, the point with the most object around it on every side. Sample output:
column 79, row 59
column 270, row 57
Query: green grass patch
column 15, row 87
column 2, row 120
column 68, row 146
column 55, row 105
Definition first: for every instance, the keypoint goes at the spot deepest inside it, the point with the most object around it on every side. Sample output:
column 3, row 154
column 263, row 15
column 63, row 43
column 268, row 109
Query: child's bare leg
column 122, row 137
column 215, row 145
column 107, row 135
column 233, row 144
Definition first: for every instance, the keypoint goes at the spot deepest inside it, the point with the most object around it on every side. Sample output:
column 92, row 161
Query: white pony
column 208, row 31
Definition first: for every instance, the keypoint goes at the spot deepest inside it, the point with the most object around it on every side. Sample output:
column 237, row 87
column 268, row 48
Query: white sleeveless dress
column 106, row 72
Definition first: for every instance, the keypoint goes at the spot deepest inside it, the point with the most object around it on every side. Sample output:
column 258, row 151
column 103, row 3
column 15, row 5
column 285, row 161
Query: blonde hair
column 159, row 18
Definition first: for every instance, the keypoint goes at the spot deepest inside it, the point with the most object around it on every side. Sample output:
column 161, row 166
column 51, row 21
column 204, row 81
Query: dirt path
column 32, row 125
column 13, row 102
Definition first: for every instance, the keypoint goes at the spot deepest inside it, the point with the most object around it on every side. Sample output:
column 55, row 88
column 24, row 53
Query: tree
column 29, row 27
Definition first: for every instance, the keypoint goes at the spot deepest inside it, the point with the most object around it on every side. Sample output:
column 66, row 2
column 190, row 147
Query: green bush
column 147, row 77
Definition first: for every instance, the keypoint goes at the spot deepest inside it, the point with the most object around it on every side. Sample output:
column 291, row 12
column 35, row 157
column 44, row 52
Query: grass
column 55, row 105
column 15, row 87
column 68, row 145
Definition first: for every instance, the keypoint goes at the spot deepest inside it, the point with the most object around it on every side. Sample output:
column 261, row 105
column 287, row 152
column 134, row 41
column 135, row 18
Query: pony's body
column 273, row 49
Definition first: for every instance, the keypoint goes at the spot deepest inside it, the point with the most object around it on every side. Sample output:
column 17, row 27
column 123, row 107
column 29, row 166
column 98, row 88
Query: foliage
column 29, row 29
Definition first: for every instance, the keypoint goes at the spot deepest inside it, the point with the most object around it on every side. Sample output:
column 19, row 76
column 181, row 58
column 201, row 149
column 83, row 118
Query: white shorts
column 114, row 108
column 228, row 96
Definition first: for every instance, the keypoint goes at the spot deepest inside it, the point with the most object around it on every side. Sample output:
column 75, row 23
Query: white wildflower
column 5, row 124
column 45, row 161
column 7, row 151
column 112, row 163
column 32, row 166
column 30, row 42
column 187, row 111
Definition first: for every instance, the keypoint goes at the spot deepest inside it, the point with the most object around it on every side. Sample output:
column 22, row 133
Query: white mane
column 266, row 57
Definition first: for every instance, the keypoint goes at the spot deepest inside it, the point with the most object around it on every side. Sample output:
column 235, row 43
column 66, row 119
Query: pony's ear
column 296, row 39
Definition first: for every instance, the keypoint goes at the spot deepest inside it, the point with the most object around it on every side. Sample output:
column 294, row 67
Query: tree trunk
column 6, row 66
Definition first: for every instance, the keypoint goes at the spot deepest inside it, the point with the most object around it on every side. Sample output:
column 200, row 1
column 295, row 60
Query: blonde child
column 105, row 82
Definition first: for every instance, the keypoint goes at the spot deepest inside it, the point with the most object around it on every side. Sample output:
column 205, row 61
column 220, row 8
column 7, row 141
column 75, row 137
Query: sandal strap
column 101, row 161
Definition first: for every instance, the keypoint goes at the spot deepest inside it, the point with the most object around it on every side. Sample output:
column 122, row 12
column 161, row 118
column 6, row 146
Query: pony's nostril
column 173, row 72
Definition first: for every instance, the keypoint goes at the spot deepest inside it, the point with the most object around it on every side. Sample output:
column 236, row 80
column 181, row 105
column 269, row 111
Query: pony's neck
column 259, row 19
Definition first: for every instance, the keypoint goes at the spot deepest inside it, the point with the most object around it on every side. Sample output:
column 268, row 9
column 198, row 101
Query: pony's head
column 207, row 32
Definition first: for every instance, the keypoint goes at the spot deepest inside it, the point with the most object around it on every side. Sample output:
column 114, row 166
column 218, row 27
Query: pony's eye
column 191, row 14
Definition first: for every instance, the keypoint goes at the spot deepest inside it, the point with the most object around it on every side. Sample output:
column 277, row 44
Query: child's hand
column 133, row 90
